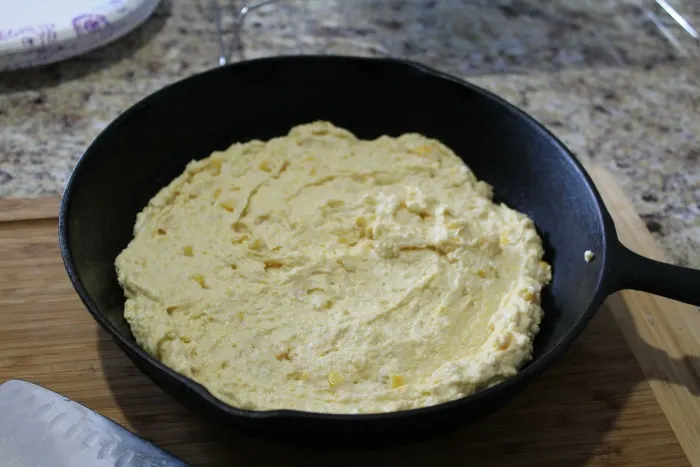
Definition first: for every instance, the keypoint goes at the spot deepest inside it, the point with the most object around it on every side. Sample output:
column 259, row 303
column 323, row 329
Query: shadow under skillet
column 561, row 419
column 82, row 66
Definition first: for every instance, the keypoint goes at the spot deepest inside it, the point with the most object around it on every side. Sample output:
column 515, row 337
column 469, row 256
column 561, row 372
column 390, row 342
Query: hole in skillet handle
column 629, row 270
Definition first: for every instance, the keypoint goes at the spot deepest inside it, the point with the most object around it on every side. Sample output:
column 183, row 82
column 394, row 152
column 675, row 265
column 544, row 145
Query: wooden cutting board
column 626, row 393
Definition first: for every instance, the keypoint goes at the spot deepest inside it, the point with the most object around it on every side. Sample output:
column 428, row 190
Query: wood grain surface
column 594, row 407
column 650, row 323
column 13, row 209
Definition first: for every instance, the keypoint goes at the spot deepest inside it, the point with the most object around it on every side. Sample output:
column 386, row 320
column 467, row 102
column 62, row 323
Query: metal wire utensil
column 666, row 31
column 227, row 48
column 673, row 13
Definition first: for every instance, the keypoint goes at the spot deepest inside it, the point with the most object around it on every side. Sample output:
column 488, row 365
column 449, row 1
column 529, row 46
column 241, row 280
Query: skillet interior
column 151, row 143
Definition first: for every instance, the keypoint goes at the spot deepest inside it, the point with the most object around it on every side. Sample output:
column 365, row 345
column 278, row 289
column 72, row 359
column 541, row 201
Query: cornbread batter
column 321, row 272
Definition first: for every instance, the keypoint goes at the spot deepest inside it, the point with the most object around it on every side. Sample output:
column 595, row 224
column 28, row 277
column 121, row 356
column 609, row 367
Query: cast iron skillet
column 148, row 145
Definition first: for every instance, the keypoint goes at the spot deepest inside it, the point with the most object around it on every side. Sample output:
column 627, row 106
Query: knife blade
column 40, row 428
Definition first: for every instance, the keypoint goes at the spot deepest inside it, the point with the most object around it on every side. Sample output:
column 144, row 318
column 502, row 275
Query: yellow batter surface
column 321, row 272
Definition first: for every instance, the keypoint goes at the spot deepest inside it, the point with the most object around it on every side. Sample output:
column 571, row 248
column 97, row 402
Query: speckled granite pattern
column 641, row 125
column 475, row 36
column 595, row 72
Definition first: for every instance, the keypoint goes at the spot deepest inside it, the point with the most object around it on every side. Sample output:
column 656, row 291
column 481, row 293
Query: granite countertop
column 597, row 73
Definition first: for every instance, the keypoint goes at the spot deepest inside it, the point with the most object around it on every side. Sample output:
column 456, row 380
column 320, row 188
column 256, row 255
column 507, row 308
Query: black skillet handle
column 632, row 271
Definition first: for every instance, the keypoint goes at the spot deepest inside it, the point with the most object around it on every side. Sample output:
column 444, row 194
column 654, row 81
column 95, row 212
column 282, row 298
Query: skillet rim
column 522, row 378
